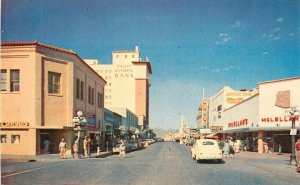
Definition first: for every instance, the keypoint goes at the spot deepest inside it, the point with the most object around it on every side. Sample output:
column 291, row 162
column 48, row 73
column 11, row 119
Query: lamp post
column 293, row 114
column 78, row 123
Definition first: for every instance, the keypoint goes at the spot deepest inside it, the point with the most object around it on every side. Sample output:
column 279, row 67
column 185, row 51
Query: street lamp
column 78, row 123
column 293, row 114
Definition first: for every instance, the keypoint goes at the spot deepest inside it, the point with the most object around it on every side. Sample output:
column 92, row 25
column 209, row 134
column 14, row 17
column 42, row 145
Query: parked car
column 116, row 149
column 206, row 149
column 133, row 145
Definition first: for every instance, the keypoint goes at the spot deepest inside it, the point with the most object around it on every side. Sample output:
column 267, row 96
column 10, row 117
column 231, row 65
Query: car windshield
column 207, row 143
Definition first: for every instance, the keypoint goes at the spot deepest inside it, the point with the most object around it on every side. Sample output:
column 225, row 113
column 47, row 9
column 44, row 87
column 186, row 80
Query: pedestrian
column 226, row 149
column 46, row 146
column 85, row 146
column 231, row 151
column 75, row 149
column 297, row 149
column 63, row 148
column 122, row 149
column 266, row 147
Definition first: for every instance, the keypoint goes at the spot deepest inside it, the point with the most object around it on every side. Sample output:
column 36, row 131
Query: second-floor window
column 3, row 80
column 77, row 88
column 93, row 95
column 14, row 80
column 54, row 83
column 89, row 94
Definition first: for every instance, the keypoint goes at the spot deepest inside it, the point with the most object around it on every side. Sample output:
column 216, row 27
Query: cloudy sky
column 191, row 44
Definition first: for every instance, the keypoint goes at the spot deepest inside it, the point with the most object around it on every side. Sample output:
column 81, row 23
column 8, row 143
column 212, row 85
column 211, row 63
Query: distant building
column 42, row 88
column 202, row 117
column 128, row 83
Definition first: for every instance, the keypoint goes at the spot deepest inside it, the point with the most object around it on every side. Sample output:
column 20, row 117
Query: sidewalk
column 47, row 157
column 247, row 154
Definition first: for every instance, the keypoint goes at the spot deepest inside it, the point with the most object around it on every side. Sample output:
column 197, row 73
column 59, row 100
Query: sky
column 192, row 44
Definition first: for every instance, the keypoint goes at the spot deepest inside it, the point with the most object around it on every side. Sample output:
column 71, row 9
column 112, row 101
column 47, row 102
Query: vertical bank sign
column 91, row 121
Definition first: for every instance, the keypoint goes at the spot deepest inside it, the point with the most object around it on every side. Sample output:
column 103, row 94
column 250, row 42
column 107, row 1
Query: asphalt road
column 154, row 165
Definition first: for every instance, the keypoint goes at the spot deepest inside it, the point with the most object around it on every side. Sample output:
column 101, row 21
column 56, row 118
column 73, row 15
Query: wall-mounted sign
column 277, row 119
column 123, row 71
column 205, row 131
column 242, row 122
column 283, row 99
column 234, row 100
column 14, row 124
column 91, row 121
column 216, row 128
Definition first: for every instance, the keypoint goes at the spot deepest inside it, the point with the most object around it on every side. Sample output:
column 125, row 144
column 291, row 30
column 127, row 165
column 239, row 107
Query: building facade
column 260, row 120
column 128, row 83
column 224, row 99
column 202, row 117
column 42, row 88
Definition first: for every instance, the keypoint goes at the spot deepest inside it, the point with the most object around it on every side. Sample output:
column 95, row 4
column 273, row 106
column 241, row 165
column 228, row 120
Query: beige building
column 128, row 83
column 222, row 100
column 260, row 120
column 42, row 88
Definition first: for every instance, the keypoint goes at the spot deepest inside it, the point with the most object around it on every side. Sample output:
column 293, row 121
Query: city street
column 160, row 163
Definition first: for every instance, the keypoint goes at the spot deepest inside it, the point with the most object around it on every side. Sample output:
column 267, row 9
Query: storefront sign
column 14, row 124
column 216, row 129
column 277, row 119
column 234, row 100
column 238, row 123
column 205, row 131
column 91, row 121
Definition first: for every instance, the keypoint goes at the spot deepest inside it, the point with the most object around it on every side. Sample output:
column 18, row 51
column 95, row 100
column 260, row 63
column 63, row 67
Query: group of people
column 229, row 148
column 63, row 148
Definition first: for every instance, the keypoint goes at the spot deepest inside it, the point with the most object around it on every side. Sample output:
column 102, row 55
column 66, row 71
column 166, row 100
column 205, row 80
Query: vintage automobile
column 116, row 149
column 206, row 149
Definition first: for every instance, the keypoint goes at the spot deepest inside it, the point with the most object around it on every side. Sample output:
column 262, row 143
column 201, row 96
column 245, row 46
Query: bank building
column 128, row 83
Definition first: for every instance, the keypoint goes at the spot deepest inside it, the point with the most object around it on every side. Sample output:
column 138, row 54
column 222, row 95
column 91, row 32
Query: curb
column 45, row 159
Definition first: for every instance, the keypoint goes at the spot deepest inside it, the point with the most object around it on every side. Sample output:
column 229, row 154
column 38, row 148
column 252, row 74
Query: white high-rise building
column 128, row 82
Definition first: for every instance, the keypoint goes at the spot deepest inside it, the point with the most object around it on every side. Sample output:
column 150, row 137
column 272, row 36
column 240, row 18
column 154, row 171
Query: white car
column 206, row 149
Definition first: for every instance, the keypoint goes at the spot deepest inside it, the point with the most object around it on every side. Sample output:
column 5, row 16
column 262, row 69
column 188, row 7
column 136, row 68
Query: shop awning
column 212, row 135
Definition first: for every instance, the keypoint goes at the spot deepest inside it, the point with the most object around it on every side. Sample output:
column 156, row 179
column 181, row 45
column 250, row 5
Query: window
column 81, row 90
column 3, row 80
column 54, row 83
column 219, row 107
column 99, row 100
column 90, row 95
column 15, row 139
column 3, row 139
column 93, row 95
column 77, row 88
column 15, row 80
column 132, row 56
column 125, row 56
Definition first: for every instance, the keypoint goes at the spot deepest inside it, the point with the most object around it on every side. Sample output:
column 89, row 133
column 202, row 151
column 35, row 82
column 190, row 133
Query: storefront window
column 3, row 139
column 15, row 139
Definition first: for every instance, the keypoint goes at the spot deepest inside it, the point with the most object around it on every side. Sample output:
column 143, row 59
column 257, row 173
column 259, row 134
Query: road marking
column 34, row 169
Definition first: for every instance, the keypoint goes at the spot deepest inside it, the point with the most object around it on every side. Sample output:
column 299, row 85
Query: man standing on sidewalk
column 297, row 148
column 63, row 148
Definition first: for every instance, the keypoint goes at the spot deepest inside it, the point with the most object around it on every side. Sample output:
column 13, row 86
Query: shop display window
column 15, row 139
column 3, row 138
